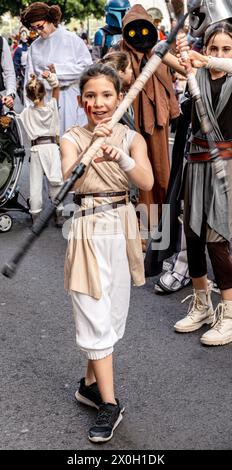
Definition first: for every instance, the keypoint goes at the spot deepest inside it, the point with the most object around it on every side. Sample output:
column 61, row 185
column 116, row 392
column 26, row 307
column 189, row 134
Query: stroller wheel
column 6, row 222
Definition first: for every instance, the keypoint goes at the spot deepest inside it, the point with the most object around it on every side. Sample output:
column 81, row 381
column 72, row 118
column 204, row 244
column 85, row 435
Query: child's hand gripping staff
column 151, row 66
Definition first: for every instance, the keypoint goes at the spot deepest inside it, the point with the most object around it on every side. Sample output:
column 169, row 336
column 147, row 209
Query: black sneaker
column 108, row 418
column 88, row 394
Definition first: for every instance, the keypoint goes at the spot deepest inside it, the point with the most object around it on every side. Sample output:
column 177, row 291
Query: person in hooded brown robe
column 154, row 107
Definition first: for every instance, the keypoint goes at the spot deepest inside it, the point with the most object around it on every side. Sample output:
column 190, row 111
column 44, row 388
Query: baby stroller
column 20, row 85
column 12, row 154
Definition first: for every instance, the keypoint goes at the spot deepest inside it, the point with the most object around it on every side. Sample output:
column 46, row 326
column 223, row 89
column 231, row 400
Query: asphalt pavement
column 176, row 392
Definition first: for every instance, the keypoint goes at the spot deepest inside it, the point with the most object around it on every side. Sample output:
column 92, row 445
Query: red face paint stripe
column 87, row 108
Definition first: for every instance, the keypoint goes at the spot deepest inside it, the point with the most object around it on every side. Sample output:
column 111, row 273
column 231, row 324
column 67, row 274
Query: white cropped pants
column 101, row 323
column 39, row 165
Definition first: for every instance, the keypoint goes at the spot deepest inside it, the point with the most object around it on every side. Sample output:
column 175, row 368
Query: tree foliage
column 80, row 9
column 14, row 6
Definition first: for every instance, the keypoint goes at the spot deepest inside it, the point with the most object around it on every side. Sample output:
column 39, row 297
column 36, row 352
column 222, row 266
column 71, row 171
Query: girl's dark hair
column 35, row 89
column 118, row 60
column 41, row 11
column 216, row 28
column 96, row 70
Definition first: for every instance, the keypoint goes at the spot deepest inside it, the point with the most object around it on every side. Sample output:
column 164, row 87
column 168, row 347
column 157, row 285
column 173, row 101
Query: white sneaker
column 221, row 331
column 171, row 282
column 200, row 312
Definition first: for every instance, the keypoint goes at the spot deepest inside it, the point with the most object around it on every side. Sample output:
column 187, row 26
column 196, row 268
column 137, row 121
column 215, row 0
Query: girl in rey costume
column 104, row 248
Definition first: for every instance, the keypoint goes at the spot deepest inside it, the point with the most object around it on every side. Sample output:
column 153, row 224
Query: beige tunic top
column 81, row 267
column 39, row 122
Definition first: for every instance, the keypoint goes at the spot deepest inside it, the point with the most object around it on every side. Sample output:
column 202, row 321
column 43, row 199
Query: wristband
column 125, row 162
column 52, row 80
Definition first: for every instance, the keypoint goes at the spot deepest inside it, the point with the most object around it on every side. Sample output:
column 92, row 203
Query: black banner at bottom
column 103, row 459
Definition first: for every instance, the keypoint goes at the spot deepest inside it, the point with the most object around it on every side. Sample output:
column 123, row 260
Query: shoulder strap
column 2, row 85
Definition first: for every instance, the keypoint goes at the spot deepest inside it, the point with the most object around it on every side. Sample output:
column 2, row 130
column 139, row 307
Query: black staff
column 10, row 268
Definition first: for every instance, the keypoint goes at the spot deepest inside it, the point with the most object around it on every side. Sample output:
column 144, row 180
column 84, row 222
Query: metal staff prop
column 206, row 127
column 156, row 254
column 9, row 268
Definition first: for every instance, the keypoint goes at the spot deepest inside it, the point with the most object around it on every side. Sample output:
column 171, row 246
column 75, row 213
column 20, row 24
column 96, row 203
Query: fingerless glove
column 52, row 80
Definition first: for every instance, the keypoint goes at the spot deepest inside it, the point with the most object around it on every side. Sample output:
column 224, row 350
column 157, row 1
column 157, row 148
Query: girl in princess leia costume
column 55, row 45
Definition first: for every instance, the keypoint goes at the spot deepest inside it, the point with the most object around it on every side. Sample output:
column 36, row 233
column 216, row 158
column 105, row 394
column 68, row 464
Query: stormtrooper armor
column 208, row 12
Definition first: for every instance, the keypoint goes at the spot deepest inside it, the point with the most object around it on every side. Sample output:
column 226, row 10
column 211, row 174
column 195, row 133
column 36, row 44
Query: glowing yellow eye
column 132, row 33
column 145, row 31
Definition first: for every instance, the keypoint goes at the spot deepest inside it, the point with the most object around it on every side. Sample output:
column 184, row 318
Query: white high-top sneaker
column 221, row 331
column 200, row 312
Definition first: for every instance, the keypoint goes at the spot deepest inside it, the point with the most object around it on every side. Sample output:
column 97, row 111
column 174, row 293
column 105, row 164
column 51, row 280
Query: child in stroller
column 11, row 160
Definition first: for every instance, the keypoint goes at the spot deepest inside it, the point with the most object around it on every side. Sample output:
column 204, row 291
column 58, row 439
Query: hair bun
column 38, row 11
column 55, row 14
column 33, row 81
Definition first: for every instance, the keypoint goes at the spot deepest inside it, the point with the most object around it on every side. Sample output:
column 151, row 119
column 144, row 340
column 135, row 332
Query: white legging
column 36, row 185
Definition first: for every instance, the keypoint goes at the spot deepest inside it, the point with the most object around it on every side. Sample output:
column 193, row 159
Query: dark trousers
column 219, row 254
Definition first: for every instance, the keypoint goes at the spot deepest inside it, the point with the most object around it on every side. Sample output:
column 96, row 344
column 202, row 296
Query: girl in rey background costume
column 41, row 123
column 208, row 211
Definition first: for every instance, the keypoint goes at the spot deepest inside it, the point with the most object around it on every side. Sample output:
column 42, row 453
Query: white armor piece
column 208, row 12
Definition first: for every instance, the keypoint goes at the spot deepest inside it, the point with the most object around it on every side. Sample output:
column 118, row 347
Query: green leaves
column 13, row 6
column 80, row 9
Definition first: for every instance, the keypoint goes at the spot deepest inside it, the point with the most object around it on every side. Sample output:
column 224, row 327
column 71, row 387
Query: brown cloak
column 153, row 109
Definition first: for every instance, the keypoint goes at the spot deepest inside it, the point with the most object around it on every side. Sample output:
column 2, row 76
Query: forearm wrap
column 53, row 80
column 218, row 63
column 125, row 162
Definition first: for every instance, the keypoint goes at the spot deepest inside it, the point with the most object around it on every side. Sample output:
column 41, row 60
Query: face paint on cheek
column 88, row 109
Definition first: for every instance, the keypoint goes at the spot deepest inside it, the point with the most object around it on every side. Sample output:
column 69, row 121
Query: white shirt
column 62, row 48
column 70, row 56
column 41, row 121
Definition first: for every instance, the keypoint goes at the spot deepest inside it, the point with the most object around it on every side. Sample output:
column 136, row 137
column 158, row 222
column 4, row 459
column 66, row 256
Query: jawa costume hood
column 156, row 103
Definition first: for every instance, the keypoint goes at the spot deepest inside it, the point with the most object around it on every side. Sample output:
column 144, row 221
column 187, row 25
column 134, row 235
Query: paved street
column 177, row 393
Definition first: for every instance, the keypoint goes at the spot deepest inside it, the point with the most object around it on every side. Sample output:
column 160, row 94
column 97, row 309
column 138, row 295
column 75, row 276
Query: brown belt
column 225, row 150
column 225, row 144
column 78, row 197
column 46, row 139
column 199, row 157
column 101, row 208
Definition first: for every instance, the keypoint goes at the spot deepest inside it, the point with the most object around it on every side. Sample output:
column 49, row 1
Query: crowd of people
column 69, row 99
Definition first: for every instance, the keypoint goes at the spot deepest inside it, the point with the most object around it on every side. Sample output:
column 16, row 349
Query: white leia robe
column 70, row 56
